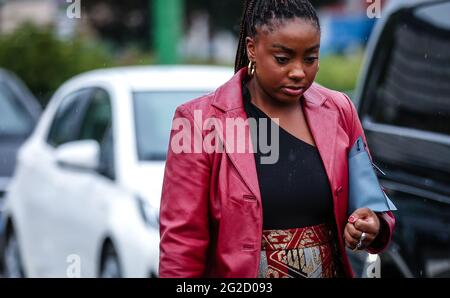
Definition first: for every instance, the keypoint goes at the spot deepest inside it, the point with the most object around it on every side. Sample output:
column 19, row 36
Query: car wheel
column 11, row 258
column 110, row 267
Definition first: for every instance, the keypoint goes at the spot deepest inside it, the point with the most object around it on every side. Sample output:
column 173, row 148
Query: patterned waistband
column 296, row 238
column 299, row 253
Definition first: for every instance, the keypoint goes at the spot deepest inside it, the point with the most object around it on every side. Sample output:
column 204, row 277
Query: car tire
column 110, row 265
column 12, row 261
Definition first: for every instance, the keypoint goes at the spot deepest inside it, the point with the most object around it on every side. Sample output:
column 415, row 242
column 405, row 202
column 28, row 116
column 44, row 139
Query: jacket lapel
column 228, row 99
column 244, row 162
column 323, row 124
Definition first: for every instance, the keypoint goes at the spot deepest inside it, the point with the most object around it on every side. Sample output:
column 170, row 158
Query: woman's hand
column 362, row 220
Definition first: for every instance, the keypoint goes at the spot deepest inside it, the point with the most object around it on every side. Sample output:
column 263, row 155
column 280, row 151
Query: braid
column 241, row 55
column 258, row 13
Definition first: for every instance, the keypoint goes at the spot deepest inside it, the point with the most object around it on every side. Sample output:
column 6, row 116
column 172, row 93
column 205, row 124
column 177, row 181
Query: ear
column 251, row 48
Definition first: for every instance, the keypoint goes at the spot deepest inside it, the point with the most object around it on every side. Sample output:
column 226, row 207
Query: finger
column 361, row 212
column 347, row 238
column 349, row 241
column 354, row 233
column 352, row 218
column 368, row 226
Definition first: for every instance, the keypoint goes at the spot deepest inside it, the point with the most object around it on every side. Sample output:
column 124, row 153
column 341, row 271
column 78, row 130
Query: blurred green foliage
column 44, row 61
column 340, row 72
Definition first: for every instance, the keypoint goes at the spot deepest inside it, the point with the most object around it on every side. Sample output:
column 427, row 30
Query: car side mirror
column 81, row 155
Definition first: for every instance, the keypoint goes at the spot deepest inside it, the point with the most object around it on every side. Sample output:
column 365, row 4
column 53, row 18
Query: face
column 286, row 56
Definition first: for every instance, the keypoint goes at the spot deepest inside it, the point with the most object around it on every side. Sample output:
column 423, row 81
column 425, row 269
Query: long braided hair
column 262, row 12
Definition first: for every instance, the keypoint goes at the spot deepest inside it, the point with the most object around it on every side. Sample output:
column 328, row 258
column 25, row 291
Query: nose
column 297, row 73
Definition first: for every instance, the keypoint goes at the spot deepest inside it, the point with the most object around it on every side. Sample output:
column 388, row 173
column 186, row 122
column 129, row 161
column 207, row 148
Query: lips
column 293, row 90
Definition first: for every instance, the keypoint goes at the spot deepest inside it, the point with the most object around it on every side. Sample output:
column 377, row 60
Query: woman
column 236, row 214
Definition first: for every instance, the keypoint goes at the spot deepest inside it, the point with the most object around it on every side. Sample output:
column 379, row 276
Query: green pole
column 167, row 29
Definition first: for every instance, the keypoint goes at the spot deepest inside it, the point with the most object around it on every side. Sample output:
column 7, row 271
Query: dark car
column 19, row 112
column 403, row 101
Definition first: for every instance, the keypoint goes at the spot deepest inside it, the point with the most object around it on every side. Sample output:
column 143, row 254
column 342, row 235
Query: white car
column 84, row 201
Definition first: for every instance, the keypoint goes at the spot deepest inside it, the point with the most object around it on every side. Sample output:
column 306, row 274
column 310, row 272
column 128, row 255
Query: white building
column 13, row 13
column 63, row 14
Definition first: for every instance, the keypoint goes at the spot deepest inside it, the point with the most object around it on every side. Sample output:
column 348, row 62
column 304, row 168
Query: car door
column 86, row 223
column 41, row 187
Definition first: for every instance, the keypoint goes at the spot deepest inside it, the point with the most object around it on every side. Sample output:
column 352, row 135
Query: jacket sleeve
column 387, row 219
column 184, row 205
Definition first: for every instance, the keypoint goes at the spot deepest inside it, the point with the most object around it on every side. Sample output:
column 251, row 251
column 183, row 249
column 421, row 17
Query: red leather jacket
column 211, row 213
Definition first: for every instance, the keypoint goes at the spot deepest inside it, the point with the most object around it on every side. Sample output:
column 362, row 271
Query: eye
column 311, row 60
column 281, row 60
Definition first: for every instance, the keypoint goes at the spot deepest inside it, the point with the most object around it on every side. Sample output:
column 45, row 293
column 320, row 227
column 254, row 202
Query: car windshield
column 413, row 91
column 14, row 119
column 153, row 119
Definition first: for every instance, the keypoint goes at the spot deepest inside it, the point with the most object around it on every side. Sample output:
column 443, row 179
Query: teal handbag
column 364, row 187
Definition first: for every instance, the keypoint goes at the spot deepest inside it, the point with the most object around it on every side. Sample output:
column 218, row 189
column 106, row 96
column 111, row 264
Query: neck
column 268, row 104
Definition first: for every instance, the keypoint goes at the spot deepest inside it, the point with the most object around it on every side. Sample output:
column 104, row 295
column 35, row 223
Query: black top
column 295, row 190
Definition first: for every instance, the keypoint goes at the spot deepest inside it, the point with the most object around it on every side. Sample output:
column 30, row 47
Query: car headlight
column 149, row 214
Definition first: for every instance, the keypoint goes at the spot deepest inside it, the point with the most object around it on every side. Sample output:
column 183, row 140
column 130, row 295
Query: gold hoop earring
column 251, row 68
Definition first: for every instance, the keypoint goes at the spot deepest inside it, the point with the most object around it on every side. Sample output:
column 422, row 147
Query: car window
column 413, row 90
column 153, row 120
column 97, row 125
column 107, row 165
column 97, row 118
column 66, row 124
column 14, row 119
